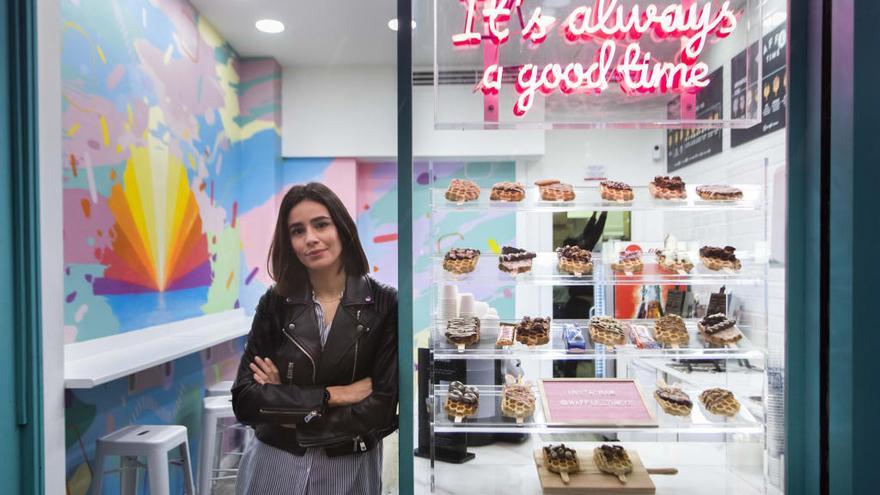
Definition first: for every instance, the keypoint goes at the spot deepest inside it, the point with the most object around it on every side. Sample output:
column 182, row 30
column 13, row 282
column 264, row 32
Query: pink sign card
column 595, row 402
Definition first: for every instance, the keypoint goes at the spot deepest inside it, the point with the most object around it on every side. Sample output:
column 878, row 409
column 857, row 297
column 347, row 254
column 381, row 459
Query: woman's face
column 313, row 236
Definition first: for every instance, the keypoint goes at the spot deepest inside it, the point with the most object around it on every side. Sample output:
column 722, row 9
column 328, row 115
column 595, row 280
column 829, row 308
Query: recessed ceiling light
column 270, row 26
column 393, row 24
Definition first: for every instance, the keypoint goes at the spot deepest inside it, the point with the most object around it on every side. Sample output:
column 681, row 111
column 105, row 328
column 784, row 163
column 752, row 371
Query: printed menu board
column 772, row 92
column 686, row 146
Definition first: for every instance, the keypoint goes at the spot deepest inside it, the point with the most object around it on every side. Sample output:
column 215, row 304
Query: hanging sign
column 618, row 28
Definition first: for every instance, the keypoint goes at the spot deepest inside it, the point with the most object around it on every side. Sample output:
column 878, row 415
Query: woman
column 318, row 378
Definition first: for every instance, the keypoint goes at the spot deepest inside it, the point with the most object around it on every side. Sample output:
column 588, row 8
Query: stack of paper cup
column 490, row 322
column 465, row 305
column 448, row 302
column 480, row 308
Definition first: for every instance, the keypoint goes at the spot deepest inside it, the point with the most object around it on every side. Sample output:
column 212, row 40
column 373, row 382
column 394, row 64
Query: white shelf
column 95, row 362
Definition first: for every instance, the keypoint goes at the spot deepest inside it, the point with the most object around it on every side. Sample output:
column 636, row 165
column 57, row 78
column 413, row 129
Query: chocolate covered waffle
column 463, row 331
column 670, row 330
column 554, row 190
column 461, row 401
column 616, row 191
column 614, row 460
column 719, row 401
column 460, row 261
column 719, row 193
column 628, row 262
column 517, row 401
column 508, row 191
column 506, row 334
column 718, row 329
column 515, row 260
column 665, row 187
column 673, row 400
column 462, row 190
column 716, row 258
column 607, row 330
column 575, row 260
column 533, row 331
column 562, row 460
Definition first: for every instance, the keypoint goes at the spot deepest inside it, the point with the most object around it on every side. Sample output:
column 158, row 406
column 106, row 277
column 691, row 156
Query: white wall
column 51, row 253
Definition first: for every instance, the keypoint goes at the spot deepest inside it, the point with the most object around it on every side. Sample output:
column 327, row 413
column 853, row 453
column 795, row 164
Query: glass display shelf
column 588, row 198
column 546, row 272
column 700, row 420
column 697, row 347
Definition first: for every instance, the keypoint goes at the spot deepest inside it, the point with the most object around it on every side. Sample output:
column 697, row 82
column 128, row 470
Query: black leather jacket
column 362, row 342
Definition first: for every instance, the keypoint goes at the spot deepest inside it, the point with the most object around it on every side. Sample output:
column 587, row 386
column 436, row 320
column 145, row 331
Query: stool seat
column 219, row 388
column 220, row 405
column 143, row 439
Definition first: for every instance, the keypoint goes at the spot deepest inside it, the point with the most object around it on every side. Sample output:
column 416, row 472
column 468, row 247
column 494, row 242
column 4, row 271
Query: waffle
column 461, row 260
column 717, row 329
column 615, row 191
column 674, row 261
column 607, row 330
column 554, row 190
column 533, row 331
column 508, row 191
column 506, row 335
column 628, row 262
column 673, row 401
column 462, row 401
column 517, row 401
column 575, row 260
column 462, row 190
column 613, row 459
column 664, row 187
column 716, row 258
column 561, row 459
column 515, row 260
column 670, row 330
column 719, row 193
column 463, row 331
column 719, row 401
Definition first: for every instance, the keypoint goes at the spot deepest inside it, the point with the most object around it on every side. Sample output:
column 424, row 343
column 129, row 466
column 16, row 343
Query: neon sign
column 617, row 29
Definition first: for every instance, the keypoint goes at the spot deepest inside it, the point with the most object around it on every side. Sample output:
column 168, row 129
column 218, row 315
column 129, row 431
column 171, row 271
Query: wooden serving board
column 590, row 480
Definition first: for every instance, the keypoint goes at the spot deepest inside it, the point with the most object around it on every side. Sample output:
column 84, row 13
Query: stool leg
column 98, row 471
column 188, row 486
column 157, row 469
column 128, row 475
column 207, row 451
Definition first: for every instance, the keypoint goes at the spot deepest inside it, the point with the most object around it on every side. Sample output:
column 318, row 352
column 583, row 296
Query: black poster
column 772, row 91
column 686, row 146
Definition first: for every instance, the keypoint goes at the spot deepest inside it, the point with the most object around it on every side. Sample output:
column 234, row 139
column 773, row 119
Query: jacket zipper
column 309, row 414
column 311, row 360
column 359, row 444
column 354, row 369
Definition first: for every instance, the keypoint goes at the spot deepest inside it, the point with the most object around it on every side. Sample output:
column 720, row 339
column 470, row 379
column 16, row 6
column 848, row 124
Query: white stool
column 214, row 410
column 150, row 441
column 219, row 388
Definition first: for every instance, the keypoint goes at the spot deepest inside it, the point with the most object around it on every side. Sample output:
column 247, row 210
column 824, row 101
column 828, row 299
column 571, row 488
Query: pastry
column 628, row 262
column 561, row 459
column 613, row 459
column 616, row 191
column 554, row 190
column 670, row 330
column 533, row 331
column 506, row 334
column 463, row 331
column 462, row 190
column 673, row 400
column 665, row 187
column 672, row 258
column 517, row 401
column 461, row 260
column 461, row 401
column 515, row 260
column 716, row 258
column 607, row 330
column 719, row 193
column 717, row 329
column 508, row 191
column 719, row 401
column 575, row 260
column 573, row 337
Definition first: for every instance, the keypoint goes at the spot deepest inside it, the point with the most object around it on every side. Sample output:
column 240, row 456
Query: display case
column 709, row 452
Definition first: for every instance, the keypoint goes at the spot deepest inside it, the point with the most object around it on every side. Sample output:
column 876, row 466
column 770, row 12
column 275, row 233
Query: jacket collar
column 357, row 291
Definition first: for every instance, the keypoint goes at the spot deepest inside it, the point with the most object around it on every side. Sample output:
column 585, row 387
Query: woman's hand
column 265, row 371
column 347, row 395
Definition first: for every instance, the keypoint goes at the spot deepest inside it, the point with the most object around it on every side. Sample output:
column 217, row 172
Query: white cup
column 465, row 304
column 450, row 292
column 480, row 308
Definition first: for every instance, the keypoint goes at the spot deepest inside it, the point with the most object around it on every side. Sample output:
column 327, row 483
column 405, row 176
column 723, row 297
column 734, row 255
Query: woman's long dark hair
column 283, row 265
